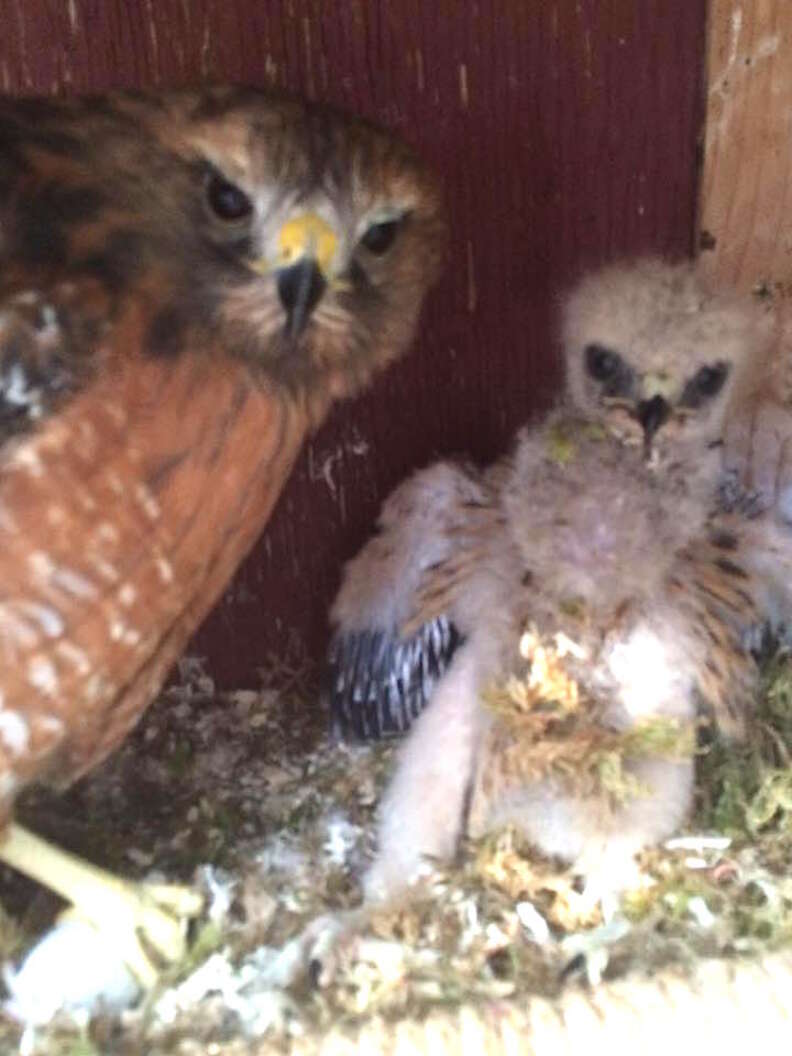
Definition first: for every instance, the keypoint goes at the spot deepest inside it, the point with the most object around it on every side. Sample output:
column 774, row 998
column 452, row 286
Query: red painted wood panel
column 567, row 134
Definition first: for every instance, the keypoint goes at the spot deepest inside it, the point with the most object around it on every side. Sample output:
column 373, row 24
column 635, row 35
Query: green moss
column 613, row 779
column 82, row 1046
column 746, row 789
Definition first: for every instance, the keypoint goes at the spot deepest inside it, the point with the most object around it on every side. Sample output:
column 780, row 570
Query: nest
column 244, row 792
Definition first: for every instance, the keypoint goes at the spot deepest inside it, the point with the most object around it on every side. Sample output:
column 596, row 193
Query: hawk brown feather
column 187, row 280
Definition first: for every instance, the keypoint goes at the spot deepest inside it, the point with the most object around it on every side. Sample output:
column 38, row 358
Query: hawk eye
column 379, row 238
column 709, row 380
column 601, row 363
column 226, row 200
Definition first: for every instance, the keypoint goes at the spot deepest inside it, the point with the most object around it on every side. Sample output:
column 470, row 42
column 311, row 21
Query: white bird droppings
column 534, row 923
column 46, row 982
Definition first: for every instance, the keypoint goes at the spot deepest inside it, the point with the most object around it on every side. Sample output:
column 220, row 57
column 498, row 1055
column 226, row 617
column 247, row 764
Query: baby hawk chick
column 595, row 534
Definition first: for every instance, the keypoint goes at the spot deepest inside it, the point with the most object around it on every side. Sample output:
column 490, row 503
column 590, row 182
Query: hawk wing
column 123, row 512
column 131, row 485
column 403, row 608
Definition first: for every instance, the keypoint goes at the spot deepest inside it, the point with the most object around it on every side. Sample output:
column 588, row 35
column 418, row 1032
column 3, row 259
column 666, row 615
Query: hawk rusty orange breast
column 188, row 280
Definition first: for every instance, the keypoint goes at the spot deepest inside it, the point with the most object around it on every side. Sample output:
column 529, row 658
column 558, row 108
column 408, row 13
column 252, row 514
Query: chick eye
column 226, row 200
column 709, row 380
column 601, row 363
column 379, row 238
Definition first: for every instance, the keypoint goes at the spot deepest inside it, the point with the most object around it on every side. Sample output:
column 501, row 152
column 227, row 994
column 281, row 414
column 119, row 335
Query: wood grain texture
column 654, row 1013
column 566, row 133
column 746, row 189
column 745, row 231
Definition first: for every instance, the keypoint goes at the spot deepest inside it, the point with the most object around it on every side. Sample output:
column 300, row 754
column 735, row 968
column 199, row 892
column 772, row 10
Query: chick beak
column 306, row 249
column 652, row 414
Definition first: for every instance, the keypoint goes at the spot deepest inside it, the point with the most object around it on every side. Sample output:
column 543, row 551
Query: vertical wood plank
column 745, row 214
column 566, row 133
column 746, row 188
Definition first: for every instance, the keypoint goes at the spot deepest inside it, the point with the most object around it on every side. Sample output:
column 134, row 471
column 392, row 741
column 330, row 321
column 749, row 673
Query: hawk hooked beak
column 306, row 249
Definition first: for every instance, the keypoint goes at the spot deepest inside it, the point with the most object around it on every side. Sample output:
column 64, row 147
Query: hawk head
column 297, row 238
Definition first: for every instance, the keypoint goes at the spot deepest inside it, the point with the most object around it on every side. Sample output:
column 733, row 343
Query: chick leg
column 128, row 914
column 422, row 810
column 606, row 859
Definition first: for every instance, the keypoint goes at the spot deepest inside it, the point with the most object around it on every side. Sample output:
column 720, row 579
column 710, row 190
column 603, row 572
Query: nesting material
column 547, row 726
column 249, row 784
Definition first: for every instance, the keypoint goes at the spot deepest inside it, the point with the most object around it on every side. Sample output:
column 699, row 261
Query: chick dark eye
column 601, row 363
column 379, row 238
column 709, row 380
column 226, row 200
